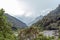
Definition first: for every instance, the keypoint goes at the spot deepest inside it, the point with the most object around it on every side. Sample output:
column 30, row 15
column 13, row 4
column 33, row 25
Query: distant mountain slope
column 50, row 21
column 16, row 23
column 35, row 20
column 25, row 19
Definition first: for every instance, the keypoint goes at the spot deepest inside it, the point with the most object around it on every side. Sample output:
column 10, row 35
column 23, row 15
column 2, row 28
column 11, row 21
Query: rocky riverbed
column 50, row 33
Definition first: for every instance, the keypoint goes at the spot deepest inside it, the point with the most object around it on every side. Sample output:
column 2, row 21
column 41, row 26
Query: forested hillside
column 29, row 19
column 50, row 21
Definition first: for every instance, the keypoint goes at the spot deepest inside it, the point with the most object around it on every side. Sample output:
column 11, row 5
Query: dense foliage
column 33, row 33
column 6, row 32
column 28, row 33
column 50, row 21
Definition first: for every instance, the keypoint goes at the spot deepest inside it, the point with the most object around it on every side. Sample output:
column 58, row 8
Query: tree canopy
column 6, row 32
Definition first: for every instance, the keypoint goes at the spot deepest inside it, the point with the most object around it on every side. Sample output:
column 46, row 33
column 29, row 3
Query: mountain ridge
column 51, row 20
column 35, row 20
column 16, row 22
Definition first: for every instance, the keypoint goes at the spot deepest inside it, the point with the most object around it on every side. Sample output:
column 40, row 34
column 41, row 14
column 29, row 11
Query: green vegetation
column 49, row 22
column 6, row 32
column 28, row 33
column 34, row 32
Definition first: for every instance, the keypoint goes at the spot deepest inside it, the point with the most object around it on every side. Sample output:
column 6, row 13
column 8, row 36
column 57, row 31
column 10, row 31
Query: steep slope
column 50, row 21
column 35, row 20
column 16, row 23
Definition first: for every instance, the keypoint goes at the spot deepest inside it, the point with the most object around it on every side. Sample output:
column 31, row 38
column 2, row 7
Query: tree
column 28, row 33
column 5, row 28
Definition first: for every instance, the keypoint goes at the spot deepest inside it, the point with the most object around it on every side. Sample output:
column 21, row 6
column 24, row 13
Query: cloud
column 10, row 6
column 21, row 8
column 45, row 12
column 15, row 7
column 28, row 14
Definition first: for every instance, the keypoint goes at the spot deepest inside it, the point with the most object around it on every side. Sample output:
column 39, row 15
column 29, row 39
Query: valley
column 31, row 23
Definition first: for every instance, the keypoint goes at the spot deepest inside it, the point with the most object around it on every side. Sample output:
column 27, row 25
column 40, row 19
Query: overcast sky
column 28, row 8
